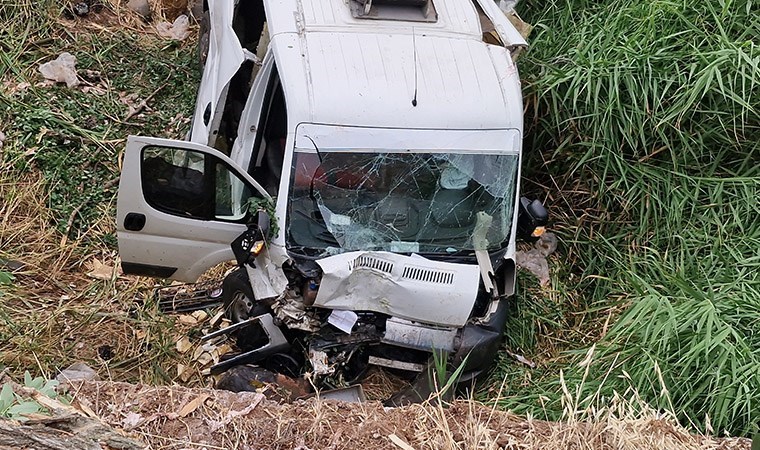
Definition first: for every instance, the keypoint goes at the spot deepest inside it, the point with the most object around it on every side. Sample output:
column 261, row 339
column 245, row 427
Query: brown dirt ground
column 184, row 418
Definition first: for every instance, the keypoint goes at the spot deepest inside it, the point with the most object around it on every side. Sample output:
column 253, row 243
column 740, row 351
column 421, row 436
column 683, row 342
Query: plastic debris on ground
column 179, row 30
column 534, row 260
column 78, row 371
column 61, row 70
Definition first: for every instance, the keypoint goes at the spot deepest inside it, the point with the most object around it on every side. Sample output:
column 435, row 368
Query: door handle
column 134, row 221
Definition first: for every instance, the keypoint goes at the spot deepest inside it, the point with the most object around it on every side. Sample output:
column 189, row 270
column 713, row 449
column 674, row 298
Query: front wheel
column 237, row 296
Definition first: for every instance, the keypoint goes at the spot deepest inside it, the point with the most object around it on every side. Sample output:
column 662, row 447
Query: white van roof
column 341, row 70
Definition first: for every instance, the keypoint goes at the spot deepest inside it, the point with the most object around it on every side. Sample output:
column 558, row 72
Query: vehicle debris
column 189, row 298
column 369, row 234
column 61, row 70
column 274, row 386
column 79, row 371
column 522, row 359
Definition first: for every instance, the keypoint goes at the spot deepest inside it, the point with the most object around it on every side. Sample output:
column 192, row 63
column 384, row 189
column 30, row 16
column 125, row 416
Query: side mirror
column 251, row 242
column 261, row 224
column 531, row 219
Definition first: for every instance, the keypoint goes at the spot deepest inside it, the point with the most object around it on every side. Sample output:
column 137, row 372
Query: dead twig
column 143, row 104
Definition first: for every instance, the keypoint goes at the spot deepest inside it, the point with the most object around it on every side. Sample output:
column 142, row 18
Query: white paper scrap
column 343, row 320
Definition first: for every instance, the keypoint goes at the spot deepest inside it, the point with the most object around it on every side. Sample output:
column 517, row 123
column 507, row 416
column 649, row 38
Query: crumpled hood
column 410, row 287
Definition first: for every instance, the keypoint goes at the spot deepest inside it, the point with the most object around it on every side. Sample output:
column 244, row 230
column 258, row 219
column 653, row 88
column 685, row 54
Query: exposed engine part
column 293, row 314
column 351, row 394
column 309, row 291
column 320, row 363
column 327, row 338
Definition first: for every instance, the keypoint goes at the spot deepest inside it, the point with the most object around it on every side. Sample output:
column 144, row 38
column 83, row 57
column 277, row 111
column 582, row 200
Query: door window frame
column 209, row 185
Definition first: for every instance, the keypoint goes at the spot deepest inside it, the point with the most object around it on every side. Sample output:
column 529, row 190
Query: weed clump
column 646, row 117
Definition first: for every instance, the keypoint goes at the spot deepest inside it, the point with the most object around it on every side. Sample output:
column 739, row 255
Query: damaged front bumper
column 379, row 309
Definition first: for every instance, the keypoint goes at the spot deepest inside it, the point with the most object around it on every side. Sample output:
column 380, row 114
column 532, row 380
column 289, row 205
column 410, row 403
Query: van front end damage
column 405, row 287
column 339, row 315
column 384, row 256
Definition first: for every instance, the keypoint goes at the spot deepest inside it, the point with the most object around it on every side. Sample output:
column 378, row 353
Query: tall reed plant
column 650, row 109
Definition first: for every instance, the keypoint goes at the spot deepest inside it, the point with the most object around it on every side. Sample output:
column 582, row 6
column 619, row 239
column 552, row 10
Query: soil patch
column 179, row 417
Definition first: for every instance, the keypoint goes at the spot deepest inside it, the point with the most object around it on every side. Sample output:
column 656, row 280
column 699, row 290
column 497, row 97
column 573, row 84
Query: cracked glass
column 404, row 202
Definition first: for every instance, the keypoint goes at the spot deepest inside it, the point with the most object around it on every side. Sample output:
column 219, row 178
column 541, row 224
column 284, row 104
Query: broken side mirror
column 261, row 224
column 251, row 242
column 531, row 219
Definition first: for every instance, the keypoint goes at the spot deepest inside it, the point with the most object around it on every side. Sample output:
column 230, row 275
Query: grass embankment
column 645, row 131
column 59, row 165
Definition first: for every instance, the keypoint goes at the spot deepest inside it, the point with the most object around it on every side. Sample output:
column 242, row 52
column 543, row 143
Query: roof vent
column 402, row 10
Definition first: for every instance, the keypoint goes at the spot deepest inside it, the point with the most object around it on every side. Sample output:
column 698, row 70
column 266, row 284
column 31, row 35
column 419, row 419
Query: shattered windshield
column 401, row 202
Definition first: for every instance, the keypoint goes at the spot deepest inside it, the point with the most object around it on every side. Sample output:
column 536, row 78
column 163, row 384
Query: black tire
column 237, row 295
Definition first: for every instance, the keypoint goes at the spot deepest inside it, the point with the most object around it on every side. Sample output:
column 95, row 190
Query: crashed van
column 360, row 160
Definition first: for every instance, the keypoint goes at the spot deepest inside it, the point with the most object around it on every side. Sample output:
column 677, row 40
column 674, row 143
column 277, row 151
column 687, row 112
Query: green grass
column 643, row 118
column 59, row 166
column 75, row 136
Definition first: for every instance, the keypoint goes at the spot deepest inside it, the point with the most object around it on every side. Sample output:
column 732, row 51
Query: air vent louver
column 427, row 275
column 368, row 262
column 401, row 10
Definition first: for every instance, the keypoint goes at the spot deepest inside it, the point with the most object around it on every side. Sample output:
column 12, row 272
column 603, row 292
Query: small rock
column 183, row 373
column 187, row 319
column 78, row 371
column 140, row 7
column 205, row 359
column 2, row 139
column 131, row 420
column 81, row 9
column 200, row 315
column 8, row 264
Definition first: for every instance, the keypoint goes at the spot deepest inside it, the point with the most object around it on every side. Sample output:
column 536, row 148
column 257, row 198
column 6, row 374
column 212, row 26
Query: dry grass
column 54, row 314
column 59, row 164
